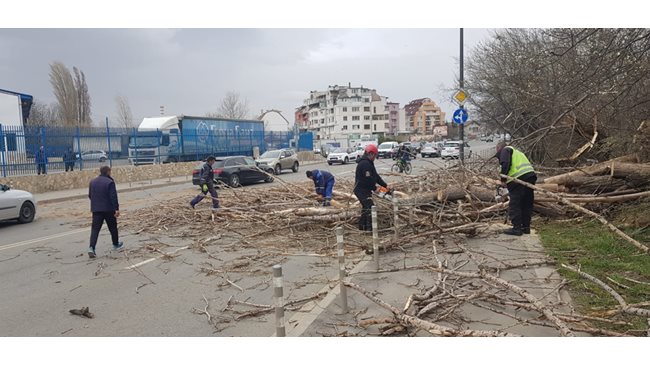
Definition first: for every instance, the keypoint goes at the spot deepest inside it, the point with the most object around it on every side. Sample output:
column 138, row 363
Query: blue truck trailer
column 185, row 138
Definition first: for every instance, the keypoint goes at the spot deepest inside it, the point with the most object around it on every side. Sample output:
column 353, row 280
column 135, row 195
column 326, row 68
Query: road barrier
column 278, row 294
column 341, row 255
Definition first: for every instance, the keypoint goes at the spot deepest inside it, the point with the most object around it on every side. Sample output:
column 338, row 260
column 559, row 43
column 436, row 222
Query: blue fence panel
column 83, row 148
column 306, row 141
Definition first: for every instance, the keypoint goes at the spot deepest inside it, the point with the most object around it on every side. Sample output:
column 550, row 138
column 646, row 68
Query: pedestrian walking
column 515, row 164
column 365, row 182
column 41, row 161
column 68, row 159
column 105, row 207
column 324, row 183
column 206, row 181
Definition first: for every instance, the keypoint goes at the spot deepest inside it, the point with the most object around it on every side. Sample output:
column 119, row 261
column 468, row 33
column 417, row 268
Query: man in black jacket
column 365, row 182
column 105, row 207
column 207, row 184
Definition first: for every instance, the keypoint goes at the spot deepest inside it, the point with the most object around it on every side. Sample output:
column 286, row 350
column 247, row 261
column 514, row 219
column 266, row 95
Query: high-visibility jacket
column 519, row 165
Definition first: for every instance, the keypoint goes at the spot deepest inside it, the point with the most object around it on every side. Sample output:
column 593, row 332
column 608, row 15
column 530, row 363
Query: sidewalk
column 400, row 277
column 68, row 194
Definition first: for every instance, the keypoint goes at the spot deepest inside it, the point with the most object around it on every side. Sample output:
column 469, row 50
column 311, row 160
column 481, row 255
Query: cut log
column 596, row 169
column 596, row 184
column 451, row 194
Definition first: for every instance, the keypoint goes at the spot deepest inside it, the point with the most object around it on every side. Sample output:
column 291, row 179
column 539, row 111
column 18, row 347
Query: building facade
column 346, row 112
column 422, row 115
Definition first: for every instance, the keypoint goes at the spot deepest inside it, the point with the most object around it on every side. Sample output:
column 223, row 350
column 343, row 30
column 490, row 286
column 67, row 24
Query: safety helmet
column 371, row 149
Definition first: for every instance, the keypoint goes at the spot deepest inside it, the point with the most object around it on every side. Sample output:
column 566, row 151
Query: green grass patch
column 591, row 247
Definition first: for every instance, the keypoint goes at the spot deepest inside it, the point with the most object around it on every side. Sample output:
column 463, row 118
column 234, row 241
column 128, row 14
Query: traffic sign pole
column 462, row 86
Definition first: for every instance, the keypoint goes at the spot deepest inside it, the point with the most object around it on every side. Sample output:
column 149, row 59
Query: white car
column 429, row 149
column 16, row 205
column 98, row 155
column 343, row 155
column 451, row 150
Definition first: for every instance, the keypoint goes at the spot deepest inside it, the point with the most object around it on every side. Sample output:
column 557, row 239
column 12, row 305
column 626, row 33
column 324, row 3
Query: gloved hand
column 204, row 188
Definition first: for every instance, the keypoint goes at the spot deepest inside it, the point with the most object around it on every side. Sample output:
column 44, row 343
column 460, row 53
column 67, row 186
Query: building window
column 355, row 109
column 345, row 109
column 375, row 127
column 355, row 127
column 386, row 125
column 345, row 127
column 366, row 109
column 345, row 118
column 355, row 118
column 366, row 118
column 367, row 100
column 366, row 127
column 374, row 109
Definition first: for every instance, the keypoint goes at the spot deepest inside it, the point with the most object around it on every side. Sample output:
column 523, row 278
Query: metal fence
column 65, row 148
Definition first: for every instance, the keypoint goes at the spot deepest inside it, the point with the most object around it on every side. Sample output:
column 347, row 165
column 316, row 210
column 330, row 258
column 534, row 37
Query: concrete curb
column 130, row 189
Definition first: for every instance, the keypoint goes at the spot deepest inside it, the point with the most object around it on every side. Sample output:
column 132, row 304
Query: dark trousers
column 98, row 221
column 365, row 198
column 41, row 168
column 522, row 198
column 213, row 193
column 69, row 165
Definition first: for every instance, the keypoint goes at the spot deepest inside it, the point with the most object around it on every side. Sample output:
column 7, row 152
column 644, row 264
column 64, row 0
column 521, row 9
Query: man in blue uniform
column 324, row 183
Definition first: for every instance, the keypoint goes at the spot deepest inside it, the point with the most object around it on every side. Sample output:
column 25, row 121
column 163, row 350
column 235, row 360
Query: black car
column 235, row 171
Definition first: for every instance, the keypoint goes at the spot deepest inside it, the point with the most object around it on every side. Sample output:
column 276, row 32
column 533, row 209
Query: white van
column 387, row 149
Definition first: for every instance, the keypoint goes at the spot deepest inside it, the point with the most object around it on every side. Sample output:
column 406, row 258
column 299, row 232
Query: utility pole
column 462, row 87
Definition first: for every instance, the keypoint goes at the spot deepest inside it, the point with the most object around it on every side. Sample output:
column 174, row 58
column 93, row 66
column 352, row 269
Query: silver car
column 98, row 155
column 280, row 160
column 16, row 205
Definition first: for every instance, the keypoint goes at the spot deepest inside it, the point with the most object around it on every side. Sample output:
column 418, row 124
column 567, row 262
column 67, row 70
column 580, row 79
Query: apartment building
column 345, row 112
column 422, row 115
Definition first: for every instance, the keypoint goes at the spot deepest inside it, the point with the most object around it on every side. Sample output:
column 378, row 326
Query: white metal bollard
column 278, row 294
column 341, row 255
column 375, row 236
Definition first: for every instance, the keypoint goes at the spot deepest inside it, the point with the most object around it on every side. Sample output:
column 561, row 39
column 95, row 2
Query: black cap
column 210, row 158
column 308, row 173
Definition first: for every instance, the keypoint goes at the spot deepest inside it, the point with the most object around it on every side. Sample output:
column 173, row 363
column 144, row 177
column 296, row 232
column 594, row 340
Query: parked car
column 430, row 150
column 280, row 160
column 98, row 155
column 387, row 149
column 487, row 138
column 357, row 153
column 235, row 171
column 344, row 155
column 451, row 150
column 16, row 205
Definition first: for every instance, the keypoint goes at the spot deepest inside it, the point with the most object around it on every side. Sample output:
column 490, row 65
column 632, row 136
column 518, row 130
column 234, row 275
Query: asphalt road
column 45, row 272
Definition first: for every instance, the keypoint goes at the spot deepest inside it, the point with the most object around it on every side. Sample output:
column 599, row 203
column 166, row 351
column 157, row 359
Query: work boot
column 327, row 202
column 91, row 252
column 525, row 230
column 118, row 246
column 513, row 231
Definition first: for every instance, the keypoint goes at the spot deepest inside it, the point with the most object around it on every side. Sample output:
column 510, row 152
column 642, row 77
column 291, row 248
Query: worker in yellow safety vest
column 515, row 164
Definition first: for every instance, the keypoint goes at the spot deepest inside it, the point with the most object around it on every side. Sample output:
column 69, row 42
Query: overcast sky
column 189, row 70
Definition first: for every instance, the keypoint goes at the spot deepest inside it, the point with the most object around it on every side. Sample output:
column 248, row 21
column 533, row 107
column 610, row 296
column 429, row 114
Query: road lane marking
column 154, row 258
column 44, row 238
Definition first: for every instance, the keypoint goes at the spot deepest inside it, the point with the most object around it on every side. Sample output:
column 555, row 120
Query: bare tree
column 124, row 115
column 232, row 106
column 83, row 98
column 45, row 115
column 65, row 93
column 71, row 94
column 563, row 93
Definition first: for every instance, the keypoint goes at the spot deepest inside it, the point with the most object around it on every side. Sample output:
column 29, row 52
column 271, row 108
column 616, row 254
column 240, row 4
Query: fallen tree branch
column 428, row 326
column 611, row 227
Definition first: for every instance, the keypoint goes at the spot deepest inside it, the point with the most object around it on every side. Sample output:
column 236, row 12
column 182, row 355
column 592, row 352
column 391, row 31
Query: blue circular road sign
column 460, row 116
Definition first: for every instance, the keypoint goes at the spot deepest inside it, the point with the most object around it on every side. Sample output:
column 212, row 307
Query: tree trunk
column 596, row 169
